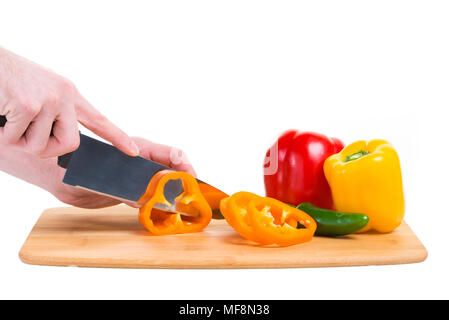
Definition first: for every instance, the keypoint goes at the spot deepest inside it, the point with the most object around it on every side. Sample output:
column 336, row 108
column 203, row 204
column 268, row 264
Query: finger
column 154, row 151
column 18, row 120
column 187, row 167
column 180, row 162
column 65, row 137
column 38, row 133
column 166, row 155
column 93, row 120
column 132, row 204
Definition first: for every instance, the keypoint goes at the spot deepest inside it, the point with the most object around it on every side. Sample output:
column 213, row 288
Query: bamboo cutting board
column 112, row 237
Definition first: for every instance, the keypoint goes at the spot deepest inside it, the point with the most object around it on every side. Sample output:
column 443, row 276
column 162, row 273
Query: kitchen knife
column 102, row 168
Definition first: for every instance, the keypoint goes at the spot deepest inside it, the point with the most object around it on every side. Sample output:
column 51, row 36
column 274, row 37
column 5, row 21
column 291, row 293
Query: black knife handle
column 63, row 161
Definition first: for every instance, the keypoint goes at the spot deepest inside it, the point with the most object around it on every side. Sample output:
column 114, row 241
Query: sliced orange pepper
column 267, row 220
column 213, row 197
column 280, row 223
column 161, row 222
column 235, row 211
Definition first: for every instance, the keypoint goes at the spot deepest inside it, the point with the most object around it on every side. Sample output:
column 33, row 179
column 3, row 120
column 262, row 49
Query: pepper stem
column 356, row 155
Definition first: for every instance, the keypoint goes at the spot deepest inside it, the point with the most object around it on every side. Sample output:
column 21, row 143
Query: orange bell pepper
column 281, row 223
column 267, row 220
column 191, row 201
column 235, row 211
column 213, row 197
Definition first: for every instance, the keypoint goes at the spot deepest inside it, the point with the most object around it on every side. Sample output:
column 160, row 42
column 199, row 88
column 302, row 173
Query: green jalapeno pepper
column 333, row 223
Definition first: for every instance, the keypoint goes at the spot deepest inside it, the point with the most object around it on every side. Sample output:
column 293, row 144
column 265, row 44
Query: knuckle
column 52, row 99
column 71, row 144
column 30, row 109
column 67, row 86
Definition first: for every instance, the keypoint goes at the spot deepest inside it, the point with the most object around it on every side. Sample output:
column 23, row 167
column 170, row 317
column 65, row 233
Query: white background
column 221, row 80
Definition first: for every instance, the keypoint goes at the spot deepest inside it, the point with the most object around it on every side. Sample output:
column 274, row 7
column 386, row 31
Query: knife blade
column 102, row 168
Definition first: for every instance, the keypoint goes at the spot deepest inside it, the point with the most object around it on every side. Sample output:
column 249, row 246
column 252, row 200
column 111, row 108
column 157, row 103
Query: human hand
column 43, row 110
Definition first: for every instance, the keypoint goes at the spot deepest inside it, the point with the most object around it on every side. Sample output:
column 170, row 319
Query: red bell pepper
column 293, row 168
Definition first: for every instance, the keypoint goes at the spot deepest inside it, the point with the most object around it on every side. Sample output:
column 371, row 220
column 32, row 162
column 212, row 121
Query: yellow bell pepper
column 365, row 177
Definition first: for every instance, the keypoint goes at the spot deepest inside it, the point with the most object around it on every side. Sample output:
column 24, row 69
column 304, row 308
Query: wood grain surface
column 113, row 237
